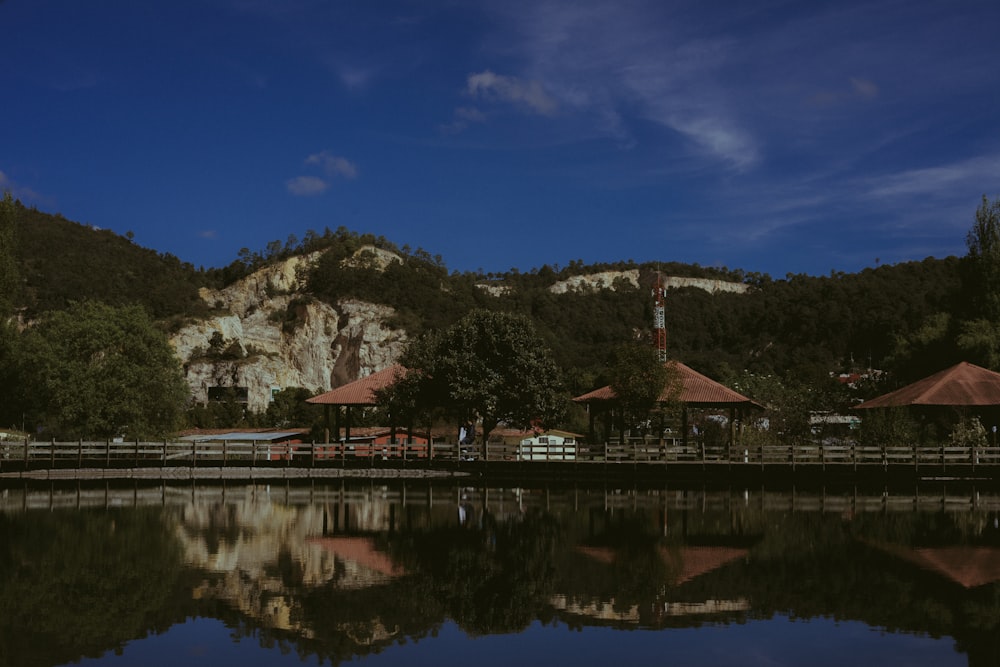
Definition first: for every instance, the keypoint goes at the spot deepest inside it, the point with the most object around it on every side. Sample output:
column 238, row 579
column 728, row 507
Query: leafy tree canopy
column 639, row 378
column 489, row 364
column 983, row 241
column 102, row 371
column 62, row 261
column 8, row 254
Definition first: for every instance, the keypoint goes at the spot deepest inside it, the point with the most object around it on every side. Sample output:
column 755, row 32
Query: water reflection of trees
column 494, row 578
column 76, row 584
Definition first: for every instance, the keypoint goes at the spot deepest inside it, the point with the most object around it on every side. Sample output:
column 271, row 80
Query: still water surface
column 422, row 574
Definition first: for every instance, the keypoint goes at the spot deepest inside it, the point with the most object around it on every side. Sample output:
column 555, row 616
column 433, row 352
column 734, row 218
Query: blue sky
column 780, row 137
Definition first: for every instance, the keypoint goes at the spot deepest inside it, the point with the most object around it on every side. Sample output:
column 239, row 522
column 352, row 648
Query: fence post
column 312, row 455
column 137, row 452
column 26, row 441
column 194, row 453
column 107, row 453
column 52, row 455
column 164, row 453
column 225, row 452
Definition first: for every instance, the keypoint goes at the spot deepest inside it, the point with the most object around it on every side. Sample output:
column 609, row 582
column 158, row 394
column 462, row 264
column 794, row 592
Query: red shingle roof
column 962, row 384
column 696, row 389
column 361, row 391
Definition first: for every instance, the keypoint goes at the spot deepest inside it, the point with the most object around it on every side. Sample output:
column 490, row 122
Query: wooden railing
column 90, row 454
column 502, row 502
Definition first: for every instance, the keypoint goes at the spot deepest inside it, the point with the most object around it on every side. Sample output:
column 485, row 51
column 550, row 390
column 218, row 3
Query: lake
column 433, row 573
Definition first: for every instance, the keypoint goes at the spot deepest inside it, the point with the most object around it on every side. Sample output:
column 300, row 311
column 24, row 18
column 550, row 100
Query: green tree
column 977, row 339
column 983, row 241
column 8, row 255
column 103, row 371
column 288, row 408
column 11, row 400
column 489, row 364
column 639, row 380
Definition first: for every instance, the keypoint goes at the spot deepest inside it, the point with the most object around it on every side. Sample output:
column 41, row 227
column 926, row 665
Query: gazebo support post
column 732, row 431
column 326, row 422
column 347, row 424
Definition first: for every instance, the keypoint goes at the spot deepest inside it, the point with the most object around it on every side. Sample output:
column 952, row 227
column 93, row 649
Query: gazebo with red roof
column 697, row 391
column 963, row 385
column 360, row 393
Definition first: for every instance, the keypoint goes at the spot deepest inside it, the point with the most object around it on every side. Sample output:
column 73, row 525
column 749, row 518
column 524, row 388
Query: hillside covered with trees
column 907, row 319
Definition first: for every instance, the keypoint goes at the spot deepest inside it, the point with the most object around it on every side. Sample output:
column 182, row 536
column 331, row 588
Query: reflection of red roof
column 965, row 565
column 962, row 384
column 690, row 561
column 361, row 391
column 696, row 561
column 696, row 389
column 360, row 550
column 969, row 566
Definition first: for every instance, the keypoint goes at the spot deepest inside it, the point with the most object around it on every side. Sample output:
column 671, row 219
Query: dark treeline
column 802, row 325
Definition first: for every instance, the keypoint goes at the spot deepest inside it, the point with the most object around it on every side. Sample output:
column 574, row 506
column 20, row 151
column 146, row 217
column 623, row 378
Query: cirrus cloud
column 530, row 95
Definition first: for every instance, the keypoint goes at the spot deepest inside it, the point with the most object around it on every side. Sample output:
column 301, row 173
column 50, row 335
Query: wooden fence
column 501, row 501
column 108, row 454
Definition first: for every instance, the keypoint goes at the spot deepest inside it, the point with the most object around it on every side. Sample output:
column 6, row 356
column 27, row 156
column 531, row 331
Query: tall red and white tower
column 660, row 318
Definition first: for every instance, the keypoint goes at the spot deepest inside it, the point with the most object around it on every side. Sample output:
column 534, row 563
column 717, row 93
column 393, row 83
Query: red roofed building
column 360, row 393
column 697, row 391
column 963, row 385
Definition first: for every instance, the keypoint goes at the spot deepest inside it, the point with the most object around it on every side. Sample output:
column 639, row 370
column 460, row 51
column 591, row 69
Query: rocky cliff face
column 268, row 336
column 607, row 280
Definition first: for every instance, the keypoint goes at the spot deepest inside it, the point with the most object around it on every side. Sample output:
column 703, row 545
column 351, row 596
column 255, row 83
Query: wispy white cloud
column 462, row 119
column 306, row 186
column 620, row 62
column 20, row 192
column 864, row 87
column 938, row 181
column 860, row 89
column 333, row 165
column 354, row 77
column 529, row 95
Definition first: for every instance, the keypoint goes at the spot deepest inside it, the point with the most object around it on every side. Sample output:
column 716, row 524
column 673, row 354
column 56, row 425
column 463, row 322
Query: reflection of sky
column 777, row 642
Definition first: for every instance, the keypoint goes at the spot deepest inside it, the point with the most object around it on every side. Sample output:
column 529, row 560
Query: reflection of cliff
column 261, row 555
